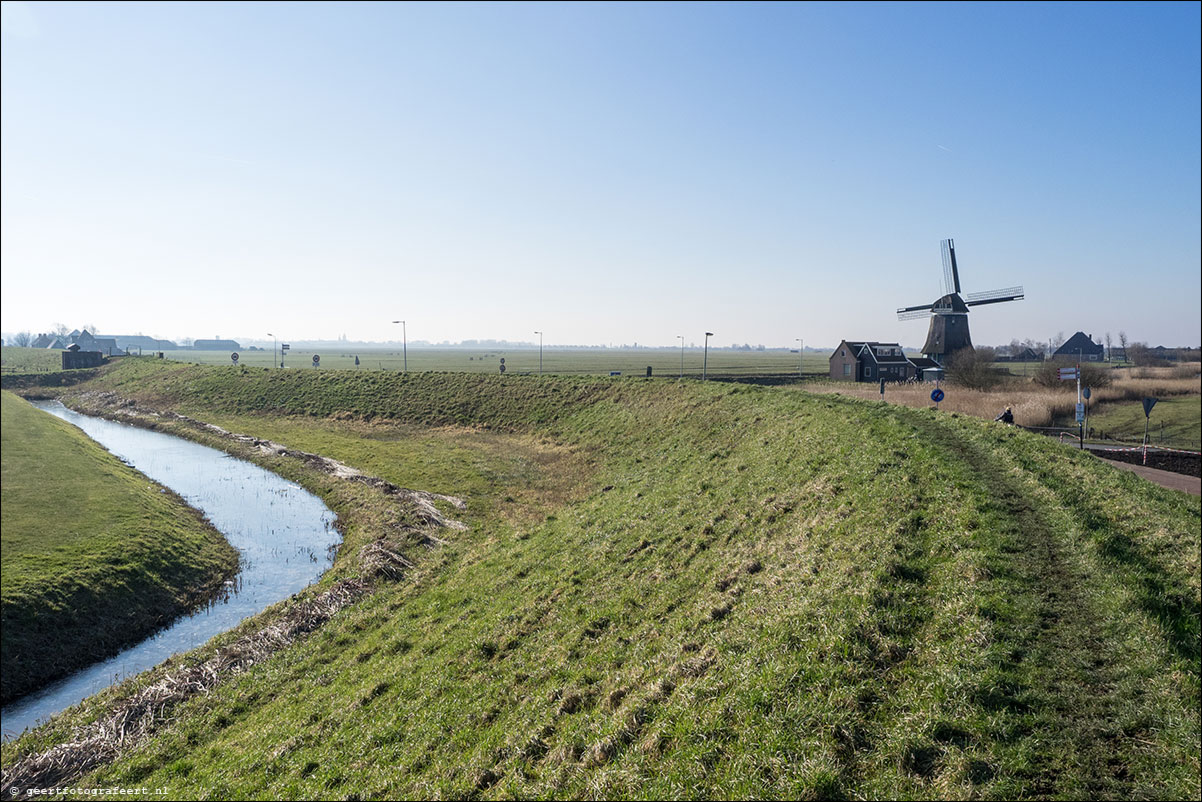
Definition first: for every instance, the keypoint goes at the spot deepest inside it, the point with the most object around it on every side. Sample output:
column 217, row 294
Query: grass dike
column 96, row 556
column 670, row 590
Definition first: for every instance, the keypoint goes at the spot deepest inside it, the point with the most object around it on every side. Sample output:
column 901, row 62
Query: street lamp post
column 404, row 343
column 706, row 359
column 801, row 348
column 274, row 342
column 681, row 338
column 540, row 352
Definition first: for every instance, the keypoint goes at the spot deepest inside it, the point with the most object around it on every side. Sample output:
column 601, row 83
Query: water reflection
column 285, row 537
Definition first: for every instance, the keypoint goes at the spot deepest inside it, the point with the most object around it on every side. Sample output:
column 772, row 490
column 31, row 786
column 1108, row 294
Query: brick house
column 866, row 361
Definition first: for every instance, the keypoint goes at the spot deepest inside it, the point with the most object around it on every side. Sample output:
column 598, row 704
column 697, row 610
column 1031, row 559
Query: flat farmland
column 30, row 360
column 560, row 361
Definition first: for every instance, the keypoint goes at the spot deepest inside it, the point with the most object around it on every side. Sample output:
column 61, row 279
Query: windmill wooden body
column 948, row 332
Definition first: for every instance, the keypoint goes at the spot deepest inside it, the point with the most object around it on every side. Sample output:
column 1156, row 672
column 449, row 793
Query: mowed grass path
column 95, row 555
column 700, row 591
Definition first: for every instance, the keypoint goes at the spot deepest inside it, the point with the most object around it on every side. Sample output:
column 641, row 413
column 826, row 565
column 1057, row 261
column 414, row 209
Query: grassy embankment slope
column 1175, row 422
column 95, row 555
column 664, row 362
column 699, row 590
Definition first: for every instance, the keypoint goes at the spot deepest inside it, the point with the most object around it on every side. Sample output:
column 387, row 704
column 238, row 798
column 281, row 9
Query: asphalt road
column 1173, row 481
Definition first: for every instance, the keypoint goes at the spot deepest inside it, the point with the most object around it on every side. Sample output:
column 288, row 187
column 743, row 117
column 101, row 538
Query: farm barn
column 215, row 345
column 1080, row 348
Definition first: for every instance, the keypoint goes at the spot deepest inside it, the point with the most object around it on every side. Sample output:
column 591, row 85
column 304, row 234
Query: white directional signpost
column 283, row 351
column 1074, row 374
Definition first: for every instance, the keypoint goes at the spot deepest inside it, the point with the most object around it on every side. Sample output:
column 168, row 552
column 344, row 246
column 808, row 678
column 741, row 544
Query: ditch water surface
column 285, row 537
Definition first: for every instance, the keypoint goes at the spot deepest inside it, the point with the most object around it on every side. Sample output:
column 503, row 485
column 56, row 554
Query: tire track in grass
column 1050, row 693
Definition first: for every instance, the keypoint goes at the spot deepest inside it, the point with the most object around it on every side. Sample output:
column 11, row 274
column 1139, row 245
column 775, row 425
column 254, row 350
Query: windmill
column 949, row 314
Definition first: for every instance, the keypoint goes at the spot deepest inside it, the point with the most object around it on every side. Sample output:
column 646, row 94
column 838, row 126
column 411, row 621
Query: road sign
column 1085, row 393
column 285, row 347
column 1080, row 412
column 936, row 395
column 882, row 386
column 1068, row 374
column 234, row 357
column 316, row 360
column 1149, row 402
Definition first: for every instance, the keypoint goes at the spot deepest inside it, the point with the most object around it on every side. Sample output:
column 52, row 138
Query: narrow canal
column 285, row 537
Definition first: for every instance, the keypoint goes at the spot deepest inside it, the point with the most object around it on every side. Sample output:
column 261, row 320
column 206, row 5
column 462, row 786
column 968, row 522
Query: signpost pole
column 1081, row 428
column 1086, row 393
column 1148, row 404
column 1146, row 420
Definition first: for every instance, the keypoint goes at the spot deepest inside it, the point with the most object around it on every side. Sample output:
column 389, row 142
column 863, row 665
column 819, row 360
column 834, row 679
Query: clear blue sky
column 604, row 173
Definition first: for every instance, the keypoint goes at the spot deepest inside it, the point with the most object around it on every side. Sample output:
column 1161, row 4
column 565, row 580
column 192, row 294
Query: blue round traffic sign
column 936, row 395
column 1085, row 393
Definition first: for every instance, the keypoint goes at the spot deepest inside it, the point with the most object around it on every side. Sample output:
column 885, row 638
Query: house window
column 843, row 352
column 847, row 370
column 868, row 372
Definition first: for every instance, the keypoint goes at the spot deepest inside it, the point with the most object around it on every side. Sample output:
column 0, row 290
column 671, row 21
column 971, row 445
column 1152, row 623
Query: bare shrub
column 1048, row 375
column 974, row 368
column 1141, row 355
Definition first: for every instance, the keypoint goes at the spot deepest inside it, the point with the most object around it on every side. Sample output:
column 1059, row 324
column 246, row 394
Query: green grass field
column 696, row 590
column 29, row 360
column 1174, row 422
column 94, row 555
column 663, row 362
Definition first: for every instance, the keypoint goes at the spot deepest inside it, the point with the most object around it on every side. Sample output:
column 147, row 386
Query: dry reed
column 1031, row 404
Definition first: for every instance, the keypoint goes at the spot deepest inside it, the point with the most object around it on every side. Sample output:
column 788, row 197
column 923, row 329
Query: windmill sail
column 951, row 272
column 914, row 312
column 994, row 296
